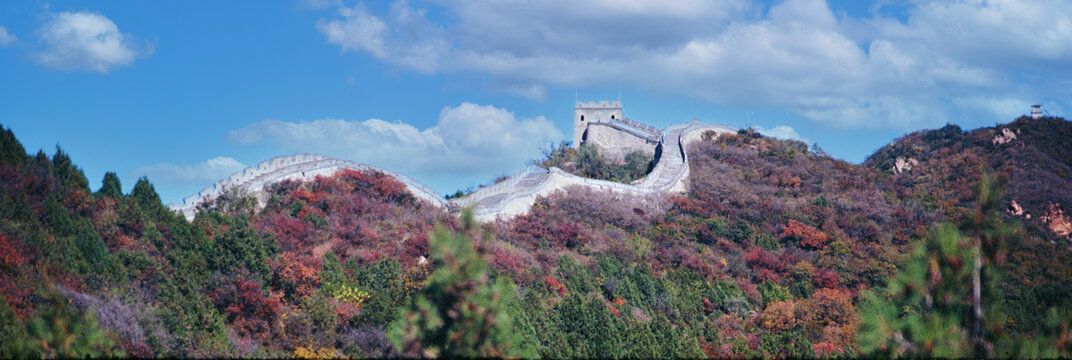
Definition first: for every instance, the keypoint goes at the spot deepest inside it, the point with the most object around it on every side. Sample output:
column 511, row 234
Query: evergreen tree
column 110, row 186
column 945, row 301
column 144, row 193
column 383, row 279
column 148, row 200
column 15, row 342
column 331, row 274
column 68, row 174
column 460, row 312
column 63, row 332
column 923, row 310
column 11, row 150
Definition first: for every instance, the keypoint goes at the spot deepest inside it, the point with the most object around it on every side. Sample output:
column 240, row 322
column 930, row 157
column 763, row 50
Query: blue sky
column 455, row 93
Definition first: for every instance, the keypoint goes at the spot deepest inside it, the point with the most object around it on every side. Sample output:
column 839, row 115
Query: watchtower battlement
column 601, row 124
column 591, row 111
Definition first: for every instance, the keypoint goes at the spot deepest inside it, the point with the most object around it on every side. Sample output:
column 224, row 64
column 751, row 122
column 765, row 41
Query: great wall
column 516, row 194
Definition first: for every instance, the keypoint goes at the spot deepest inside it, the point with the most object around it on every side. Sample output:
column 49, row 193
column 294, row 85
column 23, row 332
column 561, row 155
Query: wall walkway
column 508, row 198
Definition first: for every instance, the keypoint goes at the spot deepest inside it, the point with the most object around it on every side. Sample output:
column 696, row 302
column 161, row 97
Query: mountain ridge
column 769, row 253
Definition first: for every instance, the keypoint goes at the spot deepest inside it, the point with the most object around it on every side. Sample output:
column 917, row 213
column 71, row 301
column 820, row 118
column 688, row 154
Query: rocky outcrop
column 1006, row 136
column 1056, row 221
column 903, row 164
column 1016, row 210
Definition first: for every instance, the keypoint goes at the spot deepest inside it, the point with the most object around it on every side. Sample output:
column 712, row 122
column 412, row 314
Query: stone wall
column 587, row 112
column 614, row 143
column 516, row 194
column 511, row 197
column 602, row 124
column 305, row 167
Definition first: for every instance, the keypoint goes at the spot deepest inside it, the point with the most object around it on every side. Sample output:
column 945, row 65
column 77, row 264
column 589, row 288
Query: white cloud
column 7, row 38
column 186, row 174
column 783, row 132
column 535, row 92
column 84, row 41
column 468, row 139
column 994, row 32
column 839, row 71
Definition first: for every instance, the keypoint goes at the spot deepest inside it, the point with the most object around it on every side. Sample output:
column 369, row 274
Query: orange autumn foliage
column 809, row 237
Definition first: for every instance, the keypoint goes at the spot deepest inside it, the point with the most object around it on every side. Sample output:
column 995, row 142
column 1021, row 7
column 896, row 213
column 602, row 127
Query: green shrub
column 587, row 161
column 460, row 312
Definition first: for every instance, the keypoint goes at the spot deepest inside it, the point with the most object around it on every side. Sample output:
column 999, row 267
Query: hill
column 1033, row 157
column 1033, row 160
column 770, row 253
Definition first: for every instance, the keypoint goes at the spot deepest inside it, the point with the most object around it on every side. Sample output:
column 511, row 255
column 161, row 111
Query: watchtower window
column 582, row 117
column 612, row 117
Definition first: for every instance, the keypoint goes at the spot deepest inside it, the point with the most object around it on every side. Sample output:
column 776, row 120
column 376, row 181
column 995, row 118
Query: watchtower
column 587, row 112
column 1036, row 111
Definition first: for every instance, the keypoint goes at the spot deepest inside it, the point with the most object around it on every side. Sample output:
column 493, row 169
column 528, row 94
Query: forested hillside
column 777, row 250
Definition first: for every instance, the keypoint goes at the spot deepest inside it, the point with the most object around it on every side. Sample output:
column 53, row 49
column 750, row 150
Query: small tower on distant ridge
column 587, row 112
column 1036, row 111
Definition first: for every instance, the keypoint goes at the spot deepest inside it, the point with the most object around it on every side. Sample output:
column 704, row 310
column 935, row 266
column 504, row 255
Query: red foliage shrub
column 728, row 326
column 768, row 275
column 529, row 228
column 554, row 286
column 417, row 246
column 778, row 316
column 828, row 307
column 785, row 180
column 708, row 307
column 568, row 235
column 15, row 285
column 749, row 289
column 825, row 349
column 507, row 262
column 832, row 312
column 307, row 197
column 809, row 237
column 712, row 350
column 826, row 278
column 613, row 310
column 368, row 256
column 78, row 202
column 726, row 245
column 10, row 256
column 758, row 258
column 374, row 182
column 248, row 307
column 535, row 226
column 687, row 205
column 695, row 262
column 297, row 276
column 293, row 234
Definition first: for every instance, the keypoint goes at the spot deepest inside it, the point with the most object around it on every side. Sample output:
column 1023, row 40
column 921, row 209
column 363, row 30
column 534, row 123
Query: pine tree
column 460, row 312
column 68, row 174
column 110, row 186
column 922, row 311
column 945, row 301
column 63, row 332
column 11, row 150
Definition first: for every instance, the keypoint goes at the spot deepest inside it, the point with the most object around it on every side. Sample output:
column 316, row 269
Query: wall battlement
column 510, row 197
column 602, row 124
column 305, row 167
column 593, row 105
